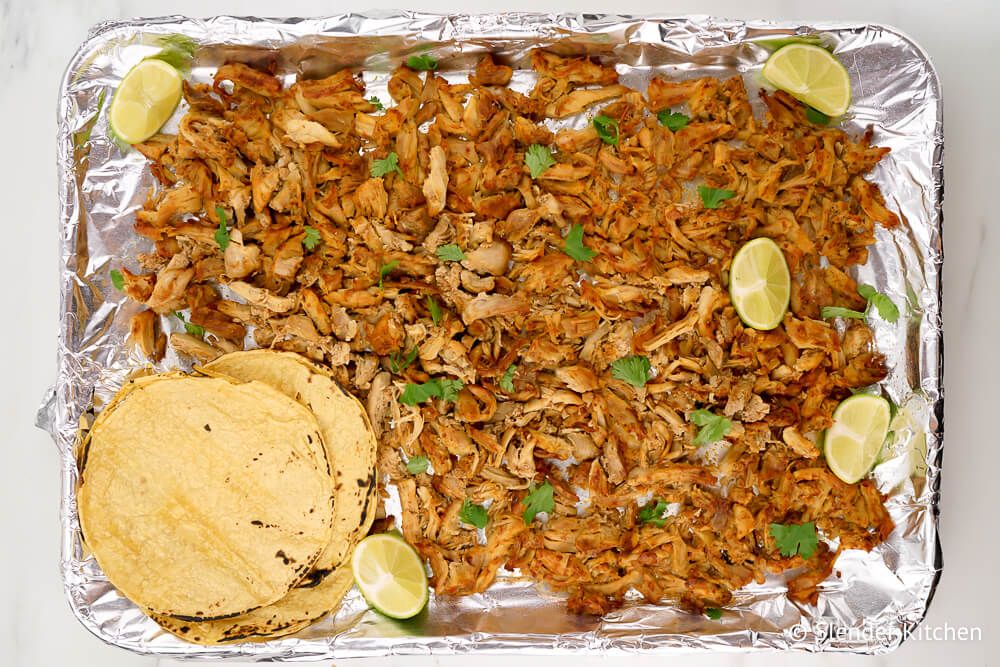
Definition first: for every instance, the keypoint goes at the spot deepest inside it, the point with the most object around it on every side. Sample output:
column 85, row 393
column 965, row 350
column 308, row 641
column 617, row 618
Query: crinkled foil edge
column 880, row 597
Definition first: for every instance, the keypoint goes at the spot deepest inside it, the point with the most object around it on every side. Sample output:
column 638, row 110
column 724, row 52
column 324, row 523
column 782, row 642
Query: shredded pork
column 279, row 166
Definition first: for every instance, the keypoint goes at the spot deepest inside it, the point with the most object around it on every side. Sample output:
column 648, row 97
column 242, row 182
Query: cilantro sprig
column 653, row 513
column 417, row 464
column 377, row 103
column 885, row 306
column 117, row 279
column 672, row 120
column 422, row 63
column 538, row 158
column 539, row 499
column 385, row 270
column 311, row 239
column 399, row 362
column 387, row 165
column 574, row 247
column 222, row 233
column 507, row 381
column 193, row 329
column 713, row 427
column 434, row 309
column 450, row 253
column 607, row 129
column 474, row 515
column 443, row 388
column 713, row 613
column 713, row 197
column 795, row 538
column 633, row 369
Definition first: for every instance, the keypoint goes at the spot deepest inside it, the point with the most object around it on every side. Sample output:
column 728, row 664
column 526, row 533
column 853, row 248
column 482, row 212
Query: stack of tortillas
column 226, row 504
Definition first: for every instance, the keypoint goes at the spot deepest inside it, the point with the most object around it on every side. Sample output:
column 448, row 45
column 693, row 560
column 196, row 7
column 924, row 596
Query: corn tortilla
column 202, row 498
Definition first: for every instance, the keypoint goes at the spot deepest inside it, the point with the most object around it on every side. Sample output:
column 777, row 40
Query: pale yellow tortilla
column 202, row 498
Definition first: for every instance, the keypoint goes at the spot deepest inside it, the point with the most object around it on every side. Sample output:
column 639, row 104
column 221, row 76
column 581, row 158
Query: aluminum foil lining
column 870, row 602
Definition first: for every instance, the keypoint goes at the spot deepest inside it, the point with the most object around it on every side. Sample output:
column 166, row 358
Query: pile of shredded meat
column 326, row 260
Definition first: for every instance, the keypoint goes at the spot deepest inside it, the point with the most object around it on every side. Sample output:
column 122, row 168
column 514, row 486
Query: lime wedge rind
column 760, row 284
column 812, row 75
column 390, row 576
column 855, row 441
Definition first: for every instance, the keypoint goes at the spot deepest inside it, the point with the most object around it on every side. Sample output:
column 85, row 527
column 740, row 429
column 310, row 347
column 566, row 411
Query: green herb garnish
column 574, row 247
column 653, row 513
column 377, row 103
column 435, row 309
column 193, row 329
column 713, row 613
column 713, row 197
column 422, row 63
column 222, row 233
column 311, row 239
column 633, row 369
column 417, row 465
column 387, row 165
column 507, row 381
column 178, row 51
column 399, row 362
column 538, row 158
column 539, row 499
column 385, row 270
column 450, row 253
column 474, row 515
column 117, row 279
column 713, row 426
column 795, row 538
column 887, row 310
column 437, row 388
column 607, row 129
column 672, row 120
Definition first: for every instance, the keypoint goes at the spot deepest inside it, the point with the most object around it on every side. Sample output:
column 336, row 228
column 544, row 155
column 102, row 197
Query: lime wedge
column 145, row 99
column 812, row 75
column 759, row 284
column 853, row 443
column 390, row 575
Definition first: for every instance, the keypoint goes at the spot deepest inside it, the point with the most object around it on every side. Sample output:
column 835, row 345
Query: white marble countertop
column 37, row 38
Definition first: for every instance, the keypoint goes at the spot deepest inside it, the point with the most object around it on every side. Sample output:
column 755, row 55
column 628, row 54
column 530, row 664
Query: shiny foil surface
column 872, row 600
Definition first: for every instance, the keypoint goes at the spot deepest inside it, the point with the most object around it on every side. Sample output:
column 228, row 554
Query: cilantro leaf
column 539, row 499
column 829, row 312
column 385, row 270
column 538, row 158
column 713, row 197
column 607, row 129
column 887, row 310
column 398, row 362
column 672, row 120
column 573, row 246
column 417, row 465
column 474, row 515
column 713, row 613
column 178, row 51
column 795, row 538
column 633, row 369
column 435, row 309
column 450, row 389
column 222, row 233
column 653, row 513
column 450, row 253
column 117, row 279
column 387, row 165
column 193, row 329
column 422, row 63
column 377, row 103
column 713, row 426
column 816, row 117
column 436, row 388
column 507, row 381
column 311, row 239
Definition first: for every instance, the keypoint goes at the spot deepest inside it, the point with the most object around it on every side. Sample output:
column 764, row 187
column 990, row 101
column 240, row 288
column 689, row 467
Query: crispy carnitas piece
column 338, row 219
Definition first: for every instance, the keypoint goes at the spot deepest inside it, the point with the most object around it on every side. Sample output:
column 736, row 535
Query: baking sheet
column 872, row 601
